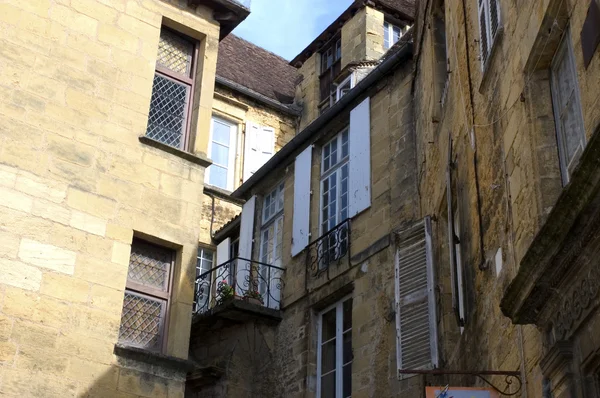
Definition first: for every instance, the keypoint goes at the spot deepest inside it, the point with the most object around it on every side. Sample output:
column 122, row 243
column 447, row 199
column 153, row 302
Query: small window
column 489, row 27
column 147, row 295
column 204, row 264
column 344, row 87
column 331, row 55
column 391, row 35
column 222, row 151
column 567, row 109
column 273, row 203
column 170, row 105
column 334, row 351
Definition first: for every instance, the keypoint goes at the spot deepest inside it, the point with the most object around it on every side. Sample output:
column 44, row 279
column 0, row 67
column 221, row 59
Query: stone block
column 9, row 244
column 8, row 176
column 102, row 272
column 15, row 200
column 121, row 253
column 67, row 288
column 117, row 232
column 106, row 298
column 94, row 322
column 50, row 312
column 96, row 205
column 31, row 334
column 68, row 149
column 41, row 360
column 17, row 274
column 19, row 383
column 96, row 10
column 51, row 211
column 117, row 37
column 82, row 345
column 8, row 350
column 144, row 385
column 88, row 223
column 47, row 256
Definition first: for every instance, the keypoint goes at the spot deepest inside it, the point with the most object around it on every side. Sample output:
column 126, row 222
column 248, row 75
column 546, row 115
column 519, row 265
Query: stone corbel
column 557, row 366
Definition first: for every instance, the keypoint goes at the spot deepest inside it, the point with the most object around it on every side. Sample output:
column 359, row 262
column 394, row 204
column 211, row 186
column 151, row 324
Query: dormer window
column 330, row 55
column 344, row 87
column 391, row 35
column 331, row 65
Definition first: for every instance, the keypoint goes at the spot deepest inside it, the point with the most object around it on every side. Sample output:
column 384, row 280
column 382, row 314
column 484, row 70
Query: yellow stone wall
column 76, row 185
column 505, row 153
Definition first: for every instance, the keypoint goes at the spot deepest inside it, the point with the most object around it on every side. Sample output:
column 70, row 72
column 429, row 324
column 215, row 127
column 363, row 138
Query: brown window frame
column 329, row 73
column 141, row 290
column 189, row 81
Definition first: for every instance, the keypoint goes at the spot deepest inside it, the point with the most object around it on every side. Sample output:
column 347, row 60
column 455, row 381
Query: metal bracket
column 510, row 376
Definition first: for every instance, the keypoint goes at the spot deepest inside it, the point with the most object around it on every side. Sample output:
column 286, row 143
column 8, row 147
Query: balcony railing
column 329, row 249
column 239, row 279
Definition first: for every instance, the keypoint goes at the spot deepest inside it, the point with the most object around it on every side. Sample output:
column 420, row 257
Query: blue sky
column 286, row 27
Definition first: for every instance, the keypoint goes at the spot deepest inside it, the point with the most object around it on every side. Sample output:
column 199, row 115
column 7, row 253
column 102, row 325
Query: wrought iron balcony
column 239, row 279
column 329, row 249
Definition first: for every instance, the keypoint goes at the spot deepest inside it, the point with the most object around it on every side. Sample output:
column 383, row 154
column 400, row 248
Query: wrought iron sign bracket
column 510, row 377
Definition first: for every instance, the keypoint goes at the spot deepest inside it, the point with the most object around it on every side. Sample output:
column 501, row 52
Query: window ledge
column 190, row 157
column 485, row 78
column 153, row 358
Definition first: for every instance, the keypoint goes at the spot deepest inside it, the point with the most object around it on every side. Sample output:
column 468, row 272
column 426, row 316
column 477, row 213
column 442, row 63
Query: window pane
column 347, row 321
column 218, row 176
column 347, row 347
column 328, row 386
column 167, row 115
column 221, row 132
column 573, row 139
column 347, row 381
column 175, row 52
column 328, row 325
column 345, row 144
column 220, row 154
column 150, row 265
column 396, row 35
column 328, row 357
column 141, row 321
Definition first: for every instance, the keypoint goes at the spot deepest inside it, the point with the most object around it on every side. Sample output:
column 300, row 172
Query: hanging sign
column 459, row 392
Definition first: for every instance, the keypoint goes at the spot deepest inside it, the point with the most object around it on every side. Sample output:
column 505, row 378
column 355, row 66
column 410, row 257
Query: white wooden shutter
column 360, row 158
column 416, row 323
column 494, row 19
column 245, row 250
column 301, row 216
column 484, row 41
column 222, row 257
column 251, row 150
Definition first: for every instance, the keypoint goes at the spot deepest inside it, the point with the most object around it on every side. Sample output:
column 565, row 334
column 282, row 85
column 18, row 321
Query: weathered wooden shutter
column 360, row 158
column 494, row 19
column 245, row 250
column 301, row 216
column 451, row 232
column 416, row 323
column 267, row 145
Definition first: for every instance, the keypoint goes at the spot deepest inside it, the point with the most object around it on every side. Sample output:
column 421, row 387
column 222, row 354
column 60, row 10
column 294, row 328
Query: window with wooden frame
column 172, row 90
column 568, row 116
column 490, row 28
column 331, row 66
column 204, row 263
column 271, row 247
column 147, row 296
column 334, row 351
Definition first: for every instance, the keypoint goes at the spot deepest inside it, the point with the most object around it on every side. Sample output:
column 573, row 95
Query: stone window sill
column 190, row 157
column 153, row 358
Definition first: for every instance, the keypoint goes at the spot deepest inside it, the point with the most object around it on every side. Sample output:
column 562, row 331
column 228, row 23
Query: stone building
column 106, row 112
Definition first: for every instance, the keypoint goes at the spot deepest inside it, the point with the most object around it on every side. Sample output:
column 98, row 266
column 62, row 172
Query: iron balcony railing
column 239, row 279
column 329, row 249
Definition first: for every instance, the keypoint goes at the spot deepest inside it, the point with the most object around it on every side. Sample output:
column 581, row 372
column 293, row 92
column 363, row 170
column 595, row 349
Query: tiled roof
column 256, row 69
column 406, row 7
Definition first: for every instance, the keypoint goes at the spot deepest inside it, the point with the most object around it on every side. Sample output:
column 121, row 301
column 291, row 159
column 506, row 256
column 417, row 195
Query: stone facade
column 77, row 184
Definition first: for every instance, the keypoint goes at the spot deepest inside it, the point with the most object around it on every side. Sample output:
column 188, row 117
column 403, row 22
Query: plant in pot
column 253, row 296
column 225, row 292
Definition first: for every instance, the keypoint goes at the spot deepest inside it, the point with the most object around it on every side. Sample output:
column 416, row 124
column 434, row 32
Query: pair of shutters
column 259, row 147
column 489, row 27
column 245, row 246
column 359, row 179
column 416, row 323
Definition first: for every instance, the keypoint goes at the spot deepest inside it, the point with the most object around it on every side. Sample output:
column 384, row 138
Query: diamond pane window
column 169, row 115
column 147, row 296
column 175, row 52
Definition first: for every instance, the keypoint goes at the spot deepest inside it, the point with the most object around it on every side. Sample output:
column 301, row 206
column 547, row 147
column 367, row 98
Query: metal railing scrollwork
column 329, row 249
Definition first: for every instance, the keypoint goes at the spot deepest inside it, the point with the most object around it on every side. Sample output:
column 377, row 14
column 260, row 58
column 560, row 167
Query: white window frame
column 388, row 34
column 337, row 170
column 339, row 346
column 232, row 152
column 339, row 93
column 275, row 196
column 483, row 6
column 565, row 49
column 200, row 270
column 459, row 271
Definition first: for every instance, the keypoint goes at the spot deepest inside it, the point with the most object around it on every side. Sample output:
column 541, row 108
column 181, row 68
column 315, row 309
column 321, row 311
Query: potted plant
column 225, row 292
column 253, row 296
